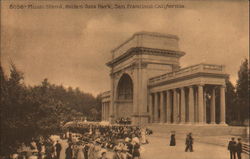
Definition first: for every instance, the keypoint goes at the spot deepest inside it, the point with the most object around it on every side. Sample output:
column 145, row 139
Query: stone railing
column 106, row 94
column 206, row 68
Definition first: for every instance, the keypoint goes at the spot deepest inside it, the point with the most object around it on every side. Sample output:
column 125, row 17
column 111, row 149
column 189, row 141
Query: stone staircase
column 210, row 134
column 199, row 130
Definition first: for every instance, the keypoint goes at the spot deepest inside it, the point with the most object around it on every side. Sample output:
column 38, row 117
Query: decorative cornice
column 145, row 51
column 154, row 34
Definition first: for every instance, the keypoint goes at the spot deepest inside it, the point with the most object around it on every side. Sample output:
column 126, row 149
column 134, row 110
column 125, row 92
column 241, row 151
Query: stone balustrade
column 199, row 68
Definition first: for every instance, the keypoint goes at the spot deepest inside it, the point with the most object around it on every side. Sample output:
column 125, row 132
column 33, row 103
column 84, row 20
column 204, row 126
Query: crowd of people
column 105, row 142
column 235, row 148
column 108, row 142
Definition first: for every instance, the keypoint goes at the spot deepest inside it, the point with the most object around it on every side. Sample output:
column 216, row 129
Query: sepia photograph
column 124, row 79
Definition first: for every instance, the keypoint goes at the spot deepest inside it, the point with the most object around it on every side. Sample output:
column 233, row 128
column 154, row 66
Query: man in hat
column 58, row 149
column 239, row 148
column 232, row 148
column 69, row 152
column 189, row 143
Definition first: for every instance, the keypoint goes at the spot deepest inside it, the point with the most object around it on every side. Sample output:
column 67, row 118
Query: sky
column 72, row 46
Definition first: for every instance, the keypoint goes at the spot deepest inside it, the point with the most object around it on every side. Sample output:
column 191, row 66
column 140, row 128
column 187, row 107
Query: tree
column 231, row 108
column 29, row 112
column 13, row 116
column 242, row 91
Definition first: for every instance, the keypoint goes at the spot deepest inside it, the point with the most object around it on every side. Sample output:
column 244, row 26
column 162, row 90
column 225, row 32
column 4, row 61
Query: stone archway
column 124, row 97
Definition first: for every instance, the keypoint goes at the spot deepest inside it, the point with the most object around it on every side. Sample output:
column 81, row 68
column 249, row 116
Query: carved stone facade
column 148, row 85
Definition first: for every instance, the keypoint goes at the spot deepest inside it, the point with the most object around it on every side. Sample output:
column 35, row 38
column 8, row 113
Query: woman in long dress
column 80, row 154
column 143, row 136
column 172, row 140
column 91, row 153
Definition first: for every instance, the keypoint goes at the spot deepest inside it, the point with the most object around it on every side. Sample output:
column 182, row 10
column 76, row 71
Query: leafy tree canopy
column 28, row 112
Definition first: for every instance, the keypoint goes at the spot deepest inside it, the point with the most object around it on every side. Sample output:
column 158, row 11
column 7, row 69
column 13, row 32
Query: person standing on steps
column 69, row 152
column 58, row 149
column 172, row 139
column 232, row 148
column 189, row 143
column 239, row 148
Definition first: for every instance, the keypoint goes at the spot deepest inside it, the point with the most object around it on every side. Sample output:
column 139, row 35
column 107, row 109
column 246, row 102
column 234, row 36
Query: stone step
column 198, row 130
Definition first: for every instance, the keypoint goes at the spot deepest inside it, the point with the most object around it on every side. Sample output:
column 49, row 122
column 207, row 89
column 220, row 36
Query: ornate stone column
column 102, row 112
column 104, row 118
column 106, row 110
column 205, row 105
column 183, row 106
column 150, row 105
column 201, row 104
column 156, row 107
column 191, row 104
column 136, row 99
column 162, row 107
column 175, row 109
column 112, row 100
column 168, row 108
column 212, row 107
column 222, row 105
column 196, row 106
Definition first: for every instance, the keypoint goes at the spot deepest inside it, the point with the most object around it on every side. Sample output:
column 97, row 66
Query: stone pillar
column 168, row 108
column 201, row 104
column 191, row 105
column 175, row 109
column 112, row 92
column 212, row 107
column 150, row 105
column 102, row 112
column 196, row 106
column 136, row 99
column 156, row 107
column 183, row 106
column 106, row 111
column 205, row 106
column 162, row 107
column 222, row 105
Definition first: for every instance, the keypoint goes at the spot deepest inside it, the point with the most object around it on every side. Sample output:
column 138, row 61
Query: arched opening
column 125, row 88
column 124, row 98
